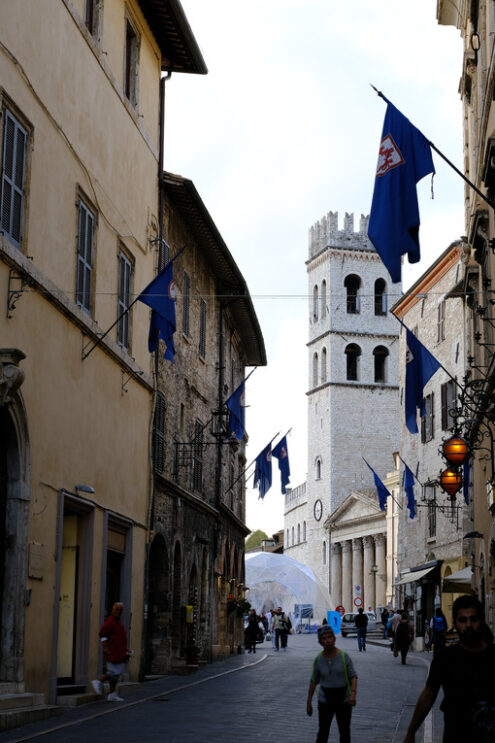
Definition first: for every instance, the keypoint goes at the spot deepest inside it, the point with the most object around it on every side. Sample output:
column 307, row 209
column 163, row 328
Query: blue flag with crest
column 404, row 158
column 409, row 490
column 381, row 490
column 160, row 296
column 263, row 471
column 282, row 454
column 420, row 366
column 236, row 406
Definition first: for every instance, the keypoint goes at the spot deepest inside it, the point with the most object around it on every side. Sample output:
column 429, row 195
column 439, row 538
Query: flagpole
column 101, row 337
column 250, row 463
column 470, row 183
column 410, row 470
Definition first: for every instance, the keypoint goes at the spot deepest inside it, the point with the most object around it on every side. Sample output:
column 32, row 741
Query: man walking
column 114, row 644
column 280, row 625
column 467, row 674
column 361, row 622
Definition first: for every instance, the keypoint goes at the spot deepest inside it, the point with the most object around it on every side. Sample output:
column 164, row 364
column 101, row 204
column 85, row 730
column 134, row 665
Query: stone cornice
column 353, row 333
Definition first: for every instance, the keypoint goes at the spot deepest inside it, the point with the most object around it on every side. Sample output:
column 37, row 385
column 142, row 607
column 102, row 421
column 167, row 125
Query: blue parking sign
column 334, row 620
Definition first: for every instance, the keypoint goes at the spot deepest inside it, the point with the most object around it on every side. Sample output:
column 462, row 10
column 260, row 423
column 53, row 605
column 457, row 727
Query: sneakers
column 98, row 687
column 114, row 697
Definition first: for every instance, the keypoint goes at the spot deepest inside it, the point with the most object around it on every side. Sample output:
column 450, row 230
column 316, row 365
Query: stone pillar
column 381, row 574
column 346, row 575
column 336, row 572
column 369, row 576
column 357, row 567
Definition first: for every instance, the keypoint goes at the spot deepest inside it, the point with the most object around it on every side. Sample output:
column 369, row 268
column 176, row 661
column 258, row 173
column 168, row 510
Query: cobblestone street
column 250, row 696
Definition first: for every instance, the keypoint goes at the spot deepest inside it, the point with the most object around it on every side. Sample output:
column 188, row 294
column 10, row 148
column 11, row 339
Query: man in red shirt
column 114, row 644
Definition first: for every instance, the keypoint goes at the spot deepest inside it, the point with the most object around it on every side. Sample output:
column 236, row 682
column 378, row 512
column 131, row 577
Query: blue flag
column 466, row 477
column 404, row 158
column 282, row 454
column 381, row 490
column 409, row 490
column 236, row 405
column 420, row 366
column 160, row 296
column 263, row 470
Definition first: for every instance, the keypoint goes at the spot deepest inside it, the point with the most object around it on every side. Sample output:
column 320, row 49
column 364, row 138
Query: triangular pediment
column 359, row 507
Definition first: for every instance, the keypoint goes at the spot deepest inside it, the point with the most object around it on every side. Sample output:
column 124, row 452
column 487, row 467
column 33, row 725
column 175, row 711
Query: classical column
column 369, row 576
column 346, row 576
column 336, row 573
column 357, row 567
column 381, row 574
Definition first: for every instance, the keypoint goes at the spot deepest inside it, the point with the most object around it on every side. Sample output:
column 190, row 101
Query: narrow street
column 253, row 697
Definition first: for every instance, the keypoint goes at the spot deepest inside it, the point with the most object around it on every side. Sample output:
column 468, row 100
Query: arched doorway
column 159, row 608
column 176, row 599
column 14, row 526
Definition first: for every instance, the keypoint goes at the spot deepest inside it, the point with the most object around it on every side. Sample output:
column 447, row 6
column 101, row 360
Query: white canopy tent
column 277, row 580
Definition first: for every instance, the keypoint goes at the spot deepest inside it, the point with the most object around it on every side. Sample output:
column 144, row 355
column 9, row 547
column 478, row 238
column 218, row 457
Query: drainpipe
column 221, row 379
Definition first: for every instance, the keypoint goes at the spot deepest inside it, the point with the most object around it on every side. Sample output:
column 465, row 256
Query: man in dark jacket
column 361, row 622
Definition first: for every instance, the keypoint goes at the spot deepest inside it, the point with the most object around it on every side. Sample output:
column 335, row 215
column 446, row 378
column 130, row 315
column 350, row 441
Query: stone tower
column 353, row 396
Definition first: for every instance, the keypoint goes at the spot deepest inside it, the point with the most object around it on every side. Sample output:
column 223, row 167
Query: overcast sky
column 285, row 128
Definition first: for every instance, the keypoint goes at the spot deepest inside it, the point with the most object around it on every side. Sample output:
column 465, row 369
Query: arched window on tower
column 292, row 536
column 323, row 365
column 315, row 303
column 304, row 531
column 315, row 370
column 298, row 533
column 324, row 553
column 323, row 302
column 352, row 352
column 352, row 284
column 288, row 543
column 380, row 353
column 318, row 469
column 380, row 297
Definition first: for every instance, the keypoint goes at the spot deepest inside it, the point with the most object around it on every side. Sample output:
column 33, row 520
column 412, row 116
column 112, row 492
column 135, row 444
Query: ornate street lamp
column 455, row 450
column 451, row 481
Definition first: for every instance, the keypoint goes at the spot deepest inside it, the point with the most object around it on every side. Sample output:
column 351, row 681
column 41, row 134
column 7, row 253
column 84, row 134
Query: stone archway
column 159, row 608
column 14, row 518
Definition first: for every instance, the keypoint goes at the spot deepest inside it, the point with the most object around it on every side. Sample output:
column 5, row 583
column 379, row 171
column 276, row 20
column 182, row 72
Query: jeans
column 326, row 711
column 281, row 635
column 361, row 638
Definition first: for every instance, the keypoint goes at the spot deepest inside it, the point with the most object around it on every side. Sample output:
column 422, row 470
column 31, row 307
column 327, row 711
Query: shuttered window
column 198, row 456
column 202, row 329
column 159, row 434
column 186, row 300
column 125, row 275
column 84, row 271
column 13, row 175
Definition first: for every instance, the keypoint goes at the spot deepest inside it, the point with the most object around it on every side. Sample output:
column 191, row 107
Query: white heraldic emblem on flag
column 389, row 156
column 409, row 355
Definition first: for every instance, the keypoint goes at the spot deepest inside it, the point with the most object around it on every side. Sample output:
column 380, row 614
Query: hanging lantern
column 451, row 481
column 455, row 450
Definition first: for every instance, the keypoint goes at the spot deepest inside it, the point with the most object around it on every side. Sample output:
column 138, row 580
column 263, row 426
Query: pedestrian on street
column 115, row 651
column 404, row 635
column 466, row 672
column 438, row 626
column 394, row 621
column 280, row 624
column 251, row 631
column 334, row 673
column 361, row 622
column 384, row 620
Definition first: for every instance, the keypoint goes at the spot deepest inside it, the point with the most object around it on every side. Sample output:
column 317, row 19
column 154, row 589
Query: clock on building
column 318, row 509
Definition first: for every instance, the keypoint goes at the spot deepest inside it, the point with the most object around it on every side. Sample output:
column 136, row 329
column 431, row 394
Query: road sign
column 340, row 609
column 358, row 601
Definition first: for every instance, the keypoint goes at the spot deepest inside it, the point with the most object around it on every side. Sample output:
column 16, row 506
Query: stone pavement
column 253, row 697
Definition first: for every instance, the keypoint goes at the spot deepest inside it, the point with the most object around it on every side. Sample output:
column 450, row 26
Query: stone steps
column 21, row 708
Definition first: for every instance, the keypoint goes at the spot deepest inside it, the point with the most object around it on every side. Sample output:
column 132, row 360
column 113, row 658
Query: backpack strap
column 315, row 662
column 345, row 671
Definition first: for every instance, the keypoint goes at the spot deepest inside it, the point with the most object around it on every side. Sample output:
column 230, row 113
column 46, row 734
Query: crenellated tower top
column 325, row 233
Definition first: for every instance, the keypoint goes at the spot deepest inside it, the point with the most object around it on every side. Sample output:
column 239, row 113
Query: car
column 347, row 625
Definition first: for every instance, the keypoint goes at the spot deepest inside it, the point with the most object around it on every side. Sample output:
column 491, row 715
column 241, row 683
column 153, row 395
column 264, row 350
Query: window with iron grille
column 159, row 433
column 448, row 400
column 131, row 62
column 124, row 300
column 427, row 421
column 186, row 303
column 13, row 176
column 198, row 456
column 202, row 329
column 85, row 257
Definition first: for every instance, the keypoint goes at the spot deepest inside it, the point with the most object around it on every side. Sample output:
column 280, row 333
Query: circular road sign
column 358, row 601
column 340, row 609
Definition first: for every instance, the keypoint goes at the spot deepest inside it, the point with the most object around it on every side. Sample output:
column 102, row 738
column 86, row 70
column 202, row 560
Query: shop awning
column 459, row 582
column 414, row 576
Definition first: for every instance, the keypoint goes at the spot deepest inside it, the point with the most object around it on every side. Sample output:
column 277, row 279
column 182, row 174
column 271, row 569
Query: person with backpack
column 334, row 674
column 361, row 622
column 404, row 635
column 438, row 626
column 281, row 625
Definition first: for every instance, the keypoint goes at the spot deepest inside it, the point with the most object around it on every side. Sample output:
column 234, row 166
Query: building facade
column 79, row 214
